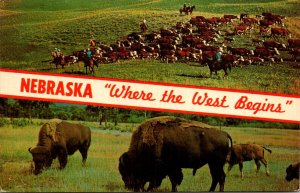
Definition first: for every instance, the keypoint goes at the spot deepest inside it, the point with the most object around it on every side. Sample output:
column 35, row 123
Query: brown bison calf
column 59, row 138
column 292, row 172
column 247, row 152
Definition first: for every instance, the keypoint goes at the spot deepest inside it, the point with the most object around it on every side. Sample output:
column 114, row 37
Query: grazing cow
column 264, row 52
column 264, row 30
column 294, row 43
column 295, row 53
column 229, row 39
column 240, row 51
column 59, row 138
column 247, row 152
column 273, row 44
column 256, row 41
column 230, row 59
column 162, row 146
column 293, row 172
column 279, row 31
column 240, row 29
column 169, row 58
column 243, row 15
column 231, row 17
column 255, row 60
column 265, row 23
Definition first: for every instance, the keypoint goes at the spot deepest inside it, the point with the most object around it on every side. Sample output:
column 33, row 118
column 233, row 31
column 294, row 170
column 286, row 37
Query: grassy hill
column 30, row 30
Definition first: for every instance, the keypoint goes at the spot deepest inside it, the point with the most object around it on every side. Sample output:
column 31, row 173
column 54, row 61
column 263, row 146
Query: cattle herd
column 266, row 41
column 159, row 147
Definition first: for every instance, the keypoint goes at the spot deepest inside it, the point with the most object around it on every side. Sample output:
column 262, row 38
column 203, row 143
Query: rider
column 88, row 53
column 58, row 53
column 219, row 56
column 92, row 41
column 184, row 6
column 54, row 53
column 144, row 23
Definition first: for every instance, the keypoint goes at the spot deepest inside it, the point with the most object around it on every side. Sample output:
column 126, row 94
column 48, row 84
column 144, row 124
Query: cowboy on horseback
column 92, row 41
column 218, row 57
column 143, row 25
column 184, row 6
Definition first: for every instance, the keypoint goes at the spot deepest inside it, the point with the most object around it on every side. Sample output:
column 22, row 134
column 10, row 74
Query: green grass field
column 101, row 172
column 31, row 29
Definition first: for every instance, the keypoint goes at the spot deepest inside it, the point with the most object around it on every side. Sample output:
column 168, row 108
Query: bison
column 59, row 138
column 293, row 171
column 247, row 152
column 162, row 146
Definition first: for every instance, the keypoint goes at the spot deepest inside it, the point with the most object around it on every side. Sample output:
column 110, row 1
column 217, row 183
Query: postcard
column 117, row 96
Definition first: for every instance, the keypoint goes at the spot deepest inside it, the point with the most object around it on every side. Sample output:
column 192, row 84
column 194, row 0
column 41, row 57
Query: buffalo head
column 292, row 172
column 128, row 169
column 41, row 157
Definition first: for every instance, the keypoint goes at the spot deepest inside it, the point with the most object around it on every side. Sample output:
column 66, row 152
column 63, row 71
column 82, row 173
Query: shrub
column 4, row 122
column 21, row 122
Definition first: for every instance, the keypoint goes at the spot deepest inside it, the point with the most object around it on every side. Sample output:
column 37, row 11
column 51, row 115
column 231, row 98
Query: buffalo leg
column 229, row 168
column 62, row 158
column 176, row 178
column 218, row 176
column 266, row 166
column 241, row 169
column 257, row 165
column 83, row 152
column 153, row 185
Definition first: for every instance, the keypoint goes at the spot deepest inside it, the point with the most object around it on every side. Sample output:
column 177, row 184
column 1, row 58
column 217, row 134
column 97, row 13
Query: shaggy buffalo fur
column 293, row 171
column 162, row 146
column 59, row 138
column 248, row 152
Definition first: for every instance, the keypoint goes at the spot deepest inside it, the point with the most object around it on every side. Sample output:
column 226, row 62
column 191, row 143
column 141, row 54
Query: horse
column 90, row 63
column 215, row 66
column 143, row 27
column 59, row 60
column 187, row 10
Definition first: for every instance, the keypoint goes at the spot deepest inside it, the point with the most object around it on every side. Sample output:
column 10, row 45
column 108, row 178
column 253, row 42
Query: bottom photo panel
column 58, row 147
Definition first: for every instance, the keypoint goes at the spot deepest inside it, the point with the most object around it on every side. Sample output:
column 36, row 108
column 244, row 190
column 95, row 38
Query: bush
column 22, row 122
column 4, row 122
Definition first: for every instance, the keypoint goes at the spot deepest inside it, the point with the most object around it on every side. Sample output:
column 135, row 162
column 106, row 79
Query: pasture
column 101, row 172
column 30, row 30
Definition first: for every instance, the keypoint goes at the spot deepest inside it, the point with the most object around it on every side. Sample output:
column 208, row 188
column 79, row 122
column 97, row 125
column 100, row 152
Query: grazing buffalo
column 293, row 171
column 247, row 152
column 162, row 146
column 59, row 138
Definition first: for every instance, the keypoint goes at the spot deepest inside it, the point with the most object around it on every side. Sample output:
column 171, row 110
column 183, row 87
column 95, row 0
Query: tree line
column 13, row 108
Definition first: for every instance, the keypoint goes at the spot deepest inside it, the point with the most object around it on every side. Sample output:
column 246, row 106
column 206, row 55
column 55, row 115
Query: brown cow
column 293, row 172
column 279, row 31
column 247, row 152
column 294, row 43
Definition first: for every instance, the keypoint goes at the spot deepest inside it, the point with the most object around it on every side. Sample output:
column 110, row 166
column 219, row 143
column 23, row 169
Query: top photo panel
column 245, row 45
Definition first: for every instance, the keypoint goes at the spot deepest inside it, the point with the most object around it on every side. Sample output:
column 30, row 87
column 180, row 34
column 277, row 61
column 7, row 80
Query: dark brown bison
column 247, row 152
column 162, row 146
column 59, row 138
column 293, row 171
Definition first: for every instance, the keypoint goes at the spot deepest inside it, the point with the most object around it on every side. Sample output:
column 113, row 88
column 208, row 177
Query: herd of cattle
column 197, row 40
column 159, row 147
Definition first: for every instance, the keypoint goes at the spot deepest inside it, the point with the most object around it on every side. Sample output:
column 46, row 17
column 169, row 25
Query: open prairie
column 101, row 172
column 30, row 30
